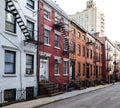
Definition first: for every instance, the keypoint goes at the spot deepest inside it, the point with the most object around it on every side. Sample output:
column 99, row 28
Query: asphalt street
column 103, row 98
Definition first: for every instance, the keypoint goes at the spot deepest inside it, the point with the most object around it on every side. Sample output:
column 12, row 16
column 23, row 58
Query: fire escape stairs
column 19, row 20
column 61, row 27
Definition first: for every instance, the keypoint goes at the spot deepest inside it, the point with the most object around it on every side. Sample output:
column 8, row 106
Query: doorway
column 72, row 70
column 44, row 73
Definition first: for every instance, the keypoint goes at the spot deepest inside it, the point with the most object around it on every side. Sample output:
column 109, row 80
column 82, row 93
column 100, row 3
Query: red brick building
column 53, row 57
column 85, row 55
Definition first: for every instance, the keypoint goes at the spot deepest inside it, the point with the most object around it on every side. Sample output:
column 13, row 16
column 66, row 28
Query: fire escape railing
column 61, row 26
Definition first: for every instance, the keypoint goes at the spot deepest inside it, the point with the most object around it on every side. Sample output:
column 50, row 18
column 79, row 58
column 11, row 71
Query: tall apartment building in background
column 91, row 18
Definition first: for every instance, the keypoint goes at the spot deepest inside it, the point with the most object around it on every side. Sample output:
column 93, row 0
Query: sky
column 110, row 8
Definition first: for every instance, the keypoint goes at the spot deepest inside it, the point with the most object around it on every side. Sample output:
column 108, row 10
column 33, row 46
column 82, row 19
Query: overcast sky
column 110, row 8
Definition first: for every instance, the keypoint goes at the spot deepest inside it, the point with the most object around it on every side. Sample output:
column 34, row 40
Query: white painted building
column 17, row 57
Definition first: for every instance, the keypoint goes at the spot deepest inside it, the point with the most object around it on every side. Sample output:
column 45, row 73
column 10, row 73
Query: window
column 46, row 14
column 87, row 53
column 56, row 20
column 83, row 69
column 83, row 38
column 65, row 67
column 10, row 21
column 91, row 69
column 57, row 39
column 78, row 34
column 79, row 73
column 9, row 62
column 46, row 36
column 29, row 93
column 73, row 46
column 87, row 39
column 91, row 54
column 56, row 69
column 83, row 51
column 79, row 49
column 30, row 26
column 30, row 4
column 10, row 95
column 73, row 31
column 66, row 44
column 29, row 64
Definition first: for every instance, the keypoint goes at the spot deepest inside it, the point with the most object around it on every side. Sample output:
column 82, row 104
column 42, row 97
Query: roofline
column 57, row 8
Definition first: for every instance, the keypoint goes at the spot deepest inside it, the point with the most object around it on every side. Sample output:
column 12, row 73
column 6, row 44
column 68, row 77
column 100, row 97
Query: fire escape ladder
column 19, row 20
column 61, row 26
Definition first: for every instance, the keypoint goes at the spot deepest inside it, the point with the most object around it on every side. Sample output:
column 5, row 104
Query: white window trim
column 47, row 44
column 65, row 59
column 57, row 47
column 49, row 14
column 57, row 32
column 10, row 48
column 56, row 74
column 33, row 10
column 29, row 7
column 10, row 33
column 29, row 75
column 47, row 19
column 9, row 75
column 30, row 52
column 45, row 54
column 30, row 19
column 65, row 74
column 57, row 57
column 47, row 27
column 34, row 54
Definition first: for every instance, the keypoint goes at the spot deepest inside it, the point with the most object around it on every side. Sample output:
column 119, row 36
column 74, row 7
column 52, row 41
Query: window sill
column 47, row 44
column 65, row 74
column 30, row 9
column 29, row 75
column 65, row 50
column 47, row 19
column 9, row 75
column 57, row 47
column 56, row 74
column 10, row 33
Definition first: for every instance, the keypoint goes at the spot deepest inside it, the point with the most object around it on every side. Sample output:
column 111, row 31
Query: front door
column 72, row 70
column 87, row 71
column 44, row 74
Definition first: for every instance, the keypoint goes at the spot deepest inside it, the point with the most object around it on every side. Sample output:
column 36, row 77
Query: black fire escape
column 62, row 27
column 19, row 20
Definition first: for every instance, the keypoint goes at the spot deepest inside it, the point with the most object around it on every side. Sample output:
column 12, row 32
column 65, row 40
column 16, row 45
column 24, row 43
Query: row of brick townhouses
column 44, row 51
column 86, row 55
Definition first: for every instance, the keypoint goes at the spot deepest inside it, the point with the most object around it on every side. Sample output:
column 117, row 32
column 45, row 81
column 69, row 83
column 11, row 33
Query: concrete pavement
column 47, row 100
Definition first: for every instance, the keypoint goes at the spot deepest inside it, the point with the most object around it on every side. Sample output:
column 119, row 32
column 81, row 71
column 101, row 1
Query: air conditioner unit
column 29, row 71
column 58, row 61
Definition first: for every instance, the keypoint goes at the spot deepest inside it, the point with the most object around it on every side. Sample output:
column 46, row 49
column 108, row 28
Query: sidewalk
column 46, row 100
